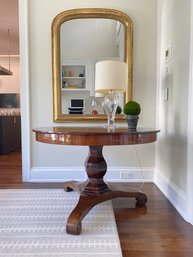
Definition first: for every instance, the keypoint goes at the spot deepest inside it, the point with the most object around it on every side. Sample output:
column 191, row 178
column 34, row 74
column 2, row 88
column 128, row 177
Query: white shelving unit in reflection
column 74, row 75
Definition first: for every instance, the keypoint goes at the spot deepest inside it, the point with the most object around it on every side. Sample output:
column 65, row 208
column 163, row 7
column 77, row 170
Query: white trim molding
column 24, row 88
column 61, row 174
column 190, row 127
column 57, row 174
column 173, row 193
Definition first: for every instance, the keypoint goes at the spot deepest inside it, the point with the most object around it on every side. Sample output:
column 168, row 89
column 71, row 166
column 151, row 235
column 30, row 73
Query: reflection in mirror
column 81, row 38
column 98, row 39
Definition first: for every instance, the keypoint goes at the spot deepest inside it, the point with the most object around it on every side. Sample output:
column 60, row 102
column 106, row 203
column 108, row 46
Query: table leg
column 94, row 190
column 84, row 205
column 96, row 168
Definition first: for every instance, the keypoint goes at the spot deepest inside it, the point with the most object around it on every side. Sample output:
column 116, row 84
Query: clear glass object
column 110, row 104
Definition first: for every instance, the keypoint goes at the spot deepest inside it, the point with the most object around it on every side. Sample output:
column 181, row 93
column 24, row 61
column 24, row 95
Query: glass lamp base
column 110, row 106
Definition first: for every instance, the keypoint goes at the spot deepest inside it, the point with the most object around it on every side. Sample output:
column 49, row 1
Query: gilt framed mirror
column 81, row 38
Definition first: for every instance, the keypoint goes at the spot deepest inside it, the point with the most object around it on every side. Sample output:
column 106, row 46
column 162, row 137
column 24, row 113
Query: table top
column 94, row 136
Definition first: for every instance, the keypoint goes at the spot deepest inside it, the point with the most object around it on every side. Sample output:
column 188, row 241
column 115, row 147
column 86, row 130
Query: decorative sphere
column 132, row 108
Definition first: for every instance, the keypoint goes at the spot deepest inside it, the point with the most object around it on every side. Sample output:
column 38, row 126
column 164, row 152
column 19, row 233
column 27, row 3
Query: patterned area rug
column 33, row 224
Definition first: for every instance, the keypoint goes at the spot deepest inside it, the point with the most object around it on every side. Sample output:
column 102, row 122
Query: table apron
column 98, row 140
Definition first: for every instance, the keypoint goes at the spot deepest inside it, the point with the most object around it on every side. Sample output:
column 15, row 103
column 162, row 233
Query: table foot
column 141, row 200
column 74, row 186
column 74, row 224
column 87, row 202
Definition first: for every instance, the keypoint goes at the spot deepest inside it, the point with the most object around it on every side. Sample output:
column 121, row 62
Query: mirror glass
column 98, row 39
column 79, row 42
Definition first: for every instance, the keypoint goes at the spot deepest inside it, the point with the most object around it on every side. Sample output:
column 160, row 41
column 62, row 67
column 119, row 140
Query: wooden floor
column 155, row 231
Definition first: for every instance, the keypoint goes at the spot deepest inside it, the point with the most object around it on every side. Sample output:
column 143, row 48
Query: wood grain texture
column 94, row 136
column 10, row 168
column 156, row 230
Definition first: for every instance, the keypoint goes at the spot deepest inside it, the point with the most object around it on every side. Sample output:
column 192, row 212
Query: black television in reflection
column 9, row 100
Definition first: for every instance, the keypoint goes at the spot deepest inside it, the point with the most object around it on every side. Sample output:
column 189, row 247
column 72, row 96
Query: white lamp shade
column 110, row 76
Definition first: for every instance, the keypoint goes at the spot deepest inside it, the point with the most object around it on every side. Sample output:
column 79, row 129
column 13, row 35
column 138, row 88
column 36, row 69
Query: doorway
column 10, row 117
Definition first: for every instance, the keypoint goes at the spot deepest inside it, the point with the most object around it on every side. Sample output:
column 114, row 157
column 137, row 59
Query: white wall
column 10, row 84
column 51, row 161
column 173, row 28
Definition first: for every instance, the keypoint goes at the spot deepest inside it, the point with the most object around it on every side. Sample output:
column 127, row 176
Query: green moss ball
column 132, row 108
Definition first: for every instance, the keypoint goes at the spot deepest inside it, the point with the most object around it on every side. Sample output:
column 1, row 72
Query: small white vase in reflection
column 110, row 104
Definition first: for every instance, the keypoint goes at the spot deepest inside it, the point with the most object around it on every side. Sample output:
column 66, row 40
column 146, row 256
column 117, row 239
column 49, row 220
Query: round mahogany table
column 94, row 190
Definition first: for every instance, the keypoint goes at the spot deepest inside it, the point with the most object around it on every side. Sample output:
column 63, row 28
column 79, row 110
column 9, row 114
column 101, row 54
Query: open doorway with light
column 10, row 117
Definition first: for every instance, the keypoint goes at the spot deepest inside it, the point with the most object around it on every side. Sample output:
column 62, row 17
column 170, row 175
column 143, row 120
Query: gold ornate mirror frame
column 58, row 116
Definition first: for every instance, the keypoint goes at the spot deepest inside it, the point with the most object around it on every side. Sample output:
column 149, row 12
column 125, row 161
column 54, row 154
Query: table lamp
column 110, row 79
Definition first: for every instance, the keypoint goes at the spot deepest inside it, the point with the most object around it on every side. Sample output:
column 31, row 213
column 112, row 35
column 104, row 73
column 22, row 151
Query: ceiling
column 9, row 20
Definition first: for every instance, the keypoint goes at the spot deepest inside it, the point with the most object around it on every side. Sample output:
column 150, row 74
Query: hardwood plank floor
column 10, row 168
column 156, row 230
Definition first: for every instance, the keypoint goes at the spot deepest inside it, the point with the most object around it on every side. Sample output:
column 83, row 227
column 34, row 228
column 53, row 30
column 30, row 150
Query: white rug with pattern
column 33, row 224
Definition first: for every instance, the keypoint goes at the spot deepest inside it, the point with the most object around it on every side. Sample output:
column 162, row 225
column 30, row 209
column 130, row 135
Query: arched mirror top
column 58, row 92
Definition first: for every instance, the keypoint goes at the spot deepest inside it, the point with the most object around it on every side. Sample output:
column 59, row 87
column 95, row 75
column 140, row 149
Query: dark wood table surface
column 94, row 190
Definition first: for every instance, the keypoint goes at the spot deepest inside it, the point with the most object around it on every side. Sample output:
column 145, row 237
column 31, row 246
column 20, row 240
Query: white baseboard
column 173, row 193
column 55, row 174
